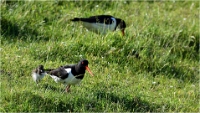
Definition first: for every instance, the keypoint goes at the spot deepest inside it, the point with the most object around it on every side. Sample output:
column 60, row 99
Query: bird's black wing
column 101, row 16
column 60, row 72
column 106, row 19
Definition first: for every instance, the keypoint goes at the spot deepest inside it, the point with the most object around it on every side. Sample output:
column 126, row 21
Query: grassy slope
column 164, row 77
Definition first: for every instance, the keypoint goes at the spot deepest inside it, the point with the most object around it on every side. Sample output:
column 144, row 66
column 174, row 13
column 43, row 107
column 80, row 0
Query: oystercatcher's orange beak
column 88, row 69
column 123, row 32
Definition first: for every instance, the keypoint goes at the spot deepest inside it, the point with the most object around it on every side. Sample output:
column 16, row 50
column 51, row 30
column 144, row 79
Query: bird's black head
column 121, row 25
column 82, row 66
column 40, row 69
column 83, row 63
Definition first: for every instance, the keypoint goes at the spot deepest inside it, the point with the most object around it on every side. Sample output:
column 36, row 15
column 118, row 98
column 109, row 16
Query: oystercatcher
column 38, row 73
column 102, row 23
column 69, row 74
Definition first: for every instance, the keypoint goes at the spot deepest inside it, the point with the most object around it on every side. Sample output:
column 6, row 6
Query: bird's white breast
column 37, row 77
column 71, row 80
column 101, row 27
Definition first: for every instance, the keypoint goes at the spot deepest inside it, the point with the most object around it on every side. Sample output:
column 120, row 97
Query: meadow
column 153, row 68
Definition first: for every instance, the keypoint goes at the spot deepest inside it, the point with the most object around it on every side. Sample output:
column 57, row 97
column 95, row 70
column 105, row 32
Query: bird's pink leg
column 67, row 88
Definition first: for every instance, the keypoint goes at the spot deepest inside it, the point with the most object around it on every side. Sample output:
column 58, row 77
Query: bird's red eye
column 82, row 62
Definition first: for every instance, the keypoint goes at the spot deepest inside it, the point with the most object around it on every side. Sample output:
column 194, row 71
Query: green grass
column 153, row 68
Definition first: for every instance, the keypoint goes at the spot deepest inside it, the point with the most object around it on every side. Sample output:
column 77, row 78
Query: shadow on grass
column 180, row 72
column 53, row 88
column 171, row 71
column 128, row 103
column 13, row 30
column 27, row 101
column 30, row 102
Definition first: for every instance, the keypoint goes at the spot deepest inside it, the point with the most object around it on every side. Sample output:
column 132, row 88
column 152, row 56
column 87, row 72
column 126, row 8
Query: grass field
column 154, row 67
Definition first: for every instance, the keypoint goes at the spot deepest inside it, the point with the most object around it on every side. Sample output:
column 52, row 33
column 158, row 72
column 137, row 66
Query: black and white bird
column 38, row 73
column 69, row 74
column 101, row 24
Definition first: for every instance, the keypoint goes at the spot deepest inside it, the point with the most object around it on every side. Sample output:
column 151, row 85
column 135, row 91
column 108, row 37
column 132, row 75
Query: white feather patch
column 37, row 77
column 101, row 27
column 70, row 80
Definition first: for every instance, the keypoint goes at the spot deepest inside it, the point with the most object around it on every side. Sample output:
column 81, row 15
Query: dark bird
column 69, row 74
column 101, row 24
column 38, row 73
